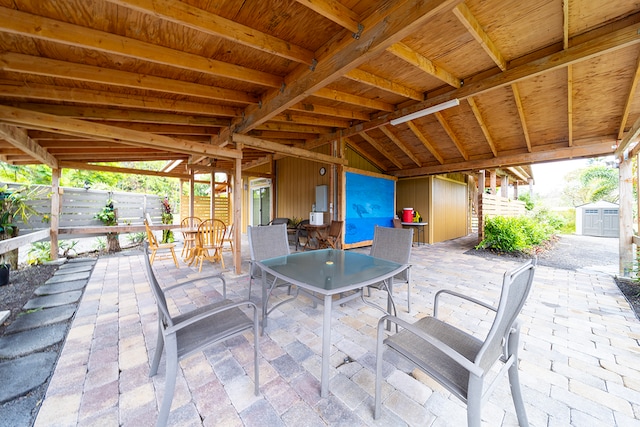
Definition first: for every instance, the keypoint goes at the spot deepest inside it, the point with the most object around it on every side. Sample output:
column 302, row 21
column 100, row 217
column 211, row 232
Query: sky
column 549, row 177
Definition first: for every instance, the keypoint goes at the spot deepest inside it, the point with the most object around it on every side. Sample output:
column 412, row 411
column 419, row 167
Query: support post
column 626, row 217
column 55, row 212
column 237, row 214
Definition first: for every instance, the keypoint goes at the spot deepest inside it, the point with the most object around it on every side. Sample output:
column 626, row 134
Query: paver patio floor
column 580, row 358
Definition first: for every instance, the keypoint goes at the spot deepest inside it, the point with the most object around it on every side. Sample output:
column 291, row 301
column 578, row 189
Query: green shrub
column 137, row 238
column 511, row 234
column 40, row 252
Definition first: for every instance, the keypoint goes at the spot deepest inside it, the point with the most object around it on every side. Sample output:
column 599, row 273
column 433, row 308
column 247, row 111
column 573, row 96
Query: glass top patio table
column 328, row 272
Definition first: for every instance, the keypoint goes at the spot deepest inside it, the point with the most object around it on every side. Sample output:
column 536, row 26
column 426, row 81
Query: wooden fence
column 491, row 205
column 202, row 208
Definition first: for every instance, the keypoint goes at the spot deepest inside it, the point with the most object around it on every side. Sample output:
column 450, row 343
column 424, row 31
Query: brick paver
column 579, row 357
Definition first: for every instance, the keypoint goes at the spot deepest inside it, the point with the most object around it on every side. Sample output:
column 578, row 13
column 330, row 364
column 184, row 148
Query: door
column 260, row 204
column 601, row 222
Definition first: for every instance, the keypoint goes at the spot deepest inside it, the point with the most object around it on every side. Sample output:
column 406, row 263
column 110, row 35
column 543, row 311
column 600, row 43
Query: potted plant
column 108, row 215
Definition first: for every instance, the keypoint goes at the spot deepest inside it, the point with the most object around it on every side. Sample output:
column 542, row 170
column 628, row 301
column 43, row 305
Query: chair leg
column 153, row 256
column 175, row 260
column 514, row 378
column 158, row 353
column 474, row 402
column 170, row 382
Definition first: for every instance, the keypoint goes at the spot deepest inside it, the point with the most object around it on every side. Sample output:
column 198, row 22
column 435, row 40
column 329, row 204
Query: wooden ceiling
column 207, row 82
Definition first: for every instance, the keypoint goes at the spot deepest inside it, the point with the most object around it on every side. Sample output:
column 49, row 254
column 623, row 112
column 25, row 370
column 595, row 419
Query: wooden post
column 237, row 214
column 626, row 217
column 492, row 181
column 55, row 212
column 212, row 199
column 504, row 186
column 515, row 190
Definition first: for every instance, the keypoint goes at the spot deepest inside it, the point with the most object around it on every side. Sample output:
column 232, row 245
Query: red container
column 407, row 215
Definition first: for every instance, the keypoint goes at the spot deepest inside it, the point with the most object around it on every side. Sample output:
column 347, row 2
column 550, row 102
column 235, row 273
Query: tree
column 591, row 184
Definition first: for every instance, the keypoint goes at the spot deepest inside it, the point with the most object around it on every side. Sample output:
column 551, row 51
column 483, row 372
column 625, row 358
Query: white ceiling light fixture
column 426, row 112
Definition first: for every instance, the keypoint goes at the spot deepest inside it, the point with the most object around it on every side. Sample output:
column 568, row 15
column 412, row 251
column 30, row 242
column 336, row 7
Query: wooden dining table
column 190, row 232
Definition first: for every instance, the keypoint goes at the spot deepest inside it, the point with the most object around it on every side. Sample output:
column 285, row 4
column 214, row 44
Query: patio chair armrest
column 459, row 295
column 204, row 315
column 188, row 282
column 453, row 354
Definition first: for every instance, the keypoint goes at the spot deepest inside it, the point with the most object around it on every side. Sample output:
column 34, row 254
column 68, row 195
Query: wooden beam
column 365, row 155
column 78, row 127
column 382, row 28
column 19, row 139
column 26, row 64
column 115, row 169
column 114, row 99
column 310, row 120
column 215, row 25
column 600, row 148
column 330, row 111
column 523, row 119
column 23, row 240
column 382, row 150
column 348, row 98
column 122, row 115
column 384, row 84
column 454, row 138
column 594, row 47
column 629, row 100
column 483, row 125
column 425, row 141
column 41, row 28
column 275, row 147
column 418, row 60
column 401, row 145
column 336, row 12
column 629, row 138
column 467, row 19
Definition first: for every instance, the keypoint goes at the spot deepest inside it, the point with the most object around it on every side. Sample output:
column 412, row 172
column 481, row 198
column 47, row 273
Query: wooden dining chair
column 332, row 238
column 229, row 238
column 189, row 239
column 209, row 240
column 167, row 249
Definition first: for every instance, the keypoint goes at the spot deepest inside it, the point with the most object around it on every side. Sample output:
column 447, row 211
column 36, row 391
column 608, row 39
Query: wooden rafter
column 381, row 29
column 401, row 145
column 425, row 141
column 384, row 84
column 381, row 149
column 38, row 27
column 630, row 138
column 115, row 169
column 483, row 126
column 19, row 139
column 523, row 120
column 348, row 98
column 596, row 46
column 565, row 44
column 366, row 155
column 275, row 147
column 420, row 61
column 112, row 99
column 473, row 26
column 310, row 120
column 334, row 11
column 629, row 100
column 591, row 150
column 209, row 23
column 330, row 111
column 66, row 70
column 126, row 136
column 447, row 128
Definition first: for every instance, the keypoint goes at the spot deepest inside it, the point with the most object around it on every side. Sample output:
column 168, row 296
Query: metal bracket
column 260, row 104
column 359, row 33
column 314, row 63
column 284, row 85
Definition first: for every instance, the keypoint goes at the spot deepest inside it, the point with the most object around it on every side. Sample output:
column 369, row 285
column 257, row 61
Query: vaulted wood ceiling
column 208, row 82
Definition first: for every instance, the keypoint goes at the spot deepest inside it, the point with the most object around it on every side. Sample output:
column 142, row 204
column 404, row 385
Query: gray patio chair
column 193, row 331
column 459, row 361
column 394, row 244
column 278, row 221
column 266, row 242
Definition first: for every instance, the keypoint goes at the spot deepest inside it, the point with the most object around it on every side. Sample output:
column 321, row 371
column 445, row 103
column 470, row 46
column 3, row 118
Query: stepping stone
column 53, row 300
column 77, row 268
column 39, row 318
column 82, row 261
column 58, row 288
column 20, row 411
column 23, row 343
column 19, row 376
column 57, row 278
column 4, row 315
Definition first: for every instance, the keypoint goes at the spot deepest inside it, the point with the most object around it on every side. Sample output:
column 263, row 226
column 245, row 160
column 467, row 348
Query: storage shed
column 598, row 219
